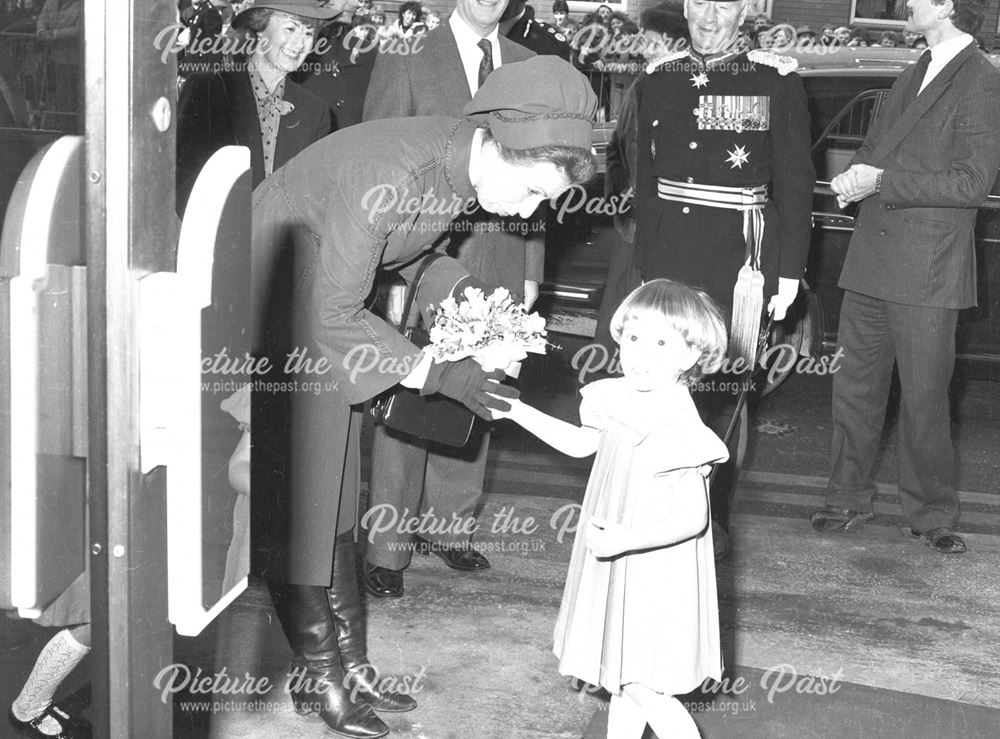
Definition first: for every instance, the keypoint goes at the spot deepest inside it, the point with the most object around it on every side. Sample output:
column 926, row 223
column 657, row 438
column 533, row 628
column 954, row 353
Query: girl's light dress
column 238, row 554
column 651, row 617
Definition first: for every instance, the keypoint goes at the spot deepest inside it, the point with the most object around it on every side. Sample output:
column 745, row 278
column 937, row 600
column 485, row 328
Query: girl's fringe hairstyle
column 687, row 310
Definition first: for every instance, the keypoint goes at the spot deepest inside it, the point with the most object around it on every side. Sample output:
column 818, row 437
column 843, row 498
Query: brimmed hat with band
column 542, row 101
column 319, row 9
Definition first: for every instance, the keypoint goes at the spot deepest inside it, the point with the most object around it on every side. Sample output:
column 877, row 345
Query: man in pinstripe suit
column 413, row 479
column 928, row 161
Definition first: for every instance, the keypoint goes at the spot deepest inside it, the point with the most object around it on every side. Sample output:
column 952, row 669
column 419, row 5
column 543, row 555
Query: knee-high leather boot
column 317, row 684
column 345, row 605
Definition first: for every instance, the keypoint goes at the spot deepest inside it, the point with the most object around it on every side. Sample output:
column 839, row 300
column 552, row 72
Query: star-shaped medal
column 699, row 79
column 737, row 157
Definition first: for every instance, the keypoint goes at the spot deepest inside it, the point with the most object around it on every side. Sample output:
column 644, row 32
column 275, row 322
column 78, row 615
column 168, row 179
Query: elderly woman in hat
column 252, row 103
column 379, row 194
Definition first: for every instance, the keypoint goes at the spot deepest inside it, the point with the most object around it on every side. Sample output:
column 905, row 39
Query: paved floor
column 868, row 635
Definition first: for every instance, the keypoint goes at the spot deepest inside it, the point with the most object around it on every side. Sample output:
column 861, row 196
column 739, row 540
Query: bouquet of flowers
column 494, row 330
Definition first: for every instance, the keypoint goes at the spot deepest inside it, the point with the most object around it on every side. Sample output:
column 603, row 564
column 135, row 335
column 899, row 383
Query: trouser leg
column 453, row 490
column 925, row 358
column 397, row 487
column 860, row 394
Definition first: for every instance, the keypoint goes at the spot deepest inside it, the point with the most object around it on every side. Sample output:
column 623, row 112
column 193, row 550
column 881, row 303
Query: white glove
column 788, row 288
column 395, row 299
column 530, row 293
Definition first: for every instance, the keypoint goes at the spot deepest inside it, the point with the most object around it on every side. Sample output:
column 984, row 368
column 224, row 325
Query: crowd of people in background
column 599, row 38
column 607, row 37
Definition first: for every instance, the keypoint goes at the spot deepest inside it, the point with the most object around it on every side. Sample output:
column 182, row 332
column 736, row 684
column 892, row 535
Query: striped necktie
column 486, row 65
column 913, row 86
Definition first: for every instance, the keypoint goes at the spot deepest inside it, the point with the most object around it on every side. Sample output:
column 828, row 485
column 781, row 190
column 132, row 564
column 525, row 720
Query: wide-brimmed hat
column 322, row 10
column 542, row 101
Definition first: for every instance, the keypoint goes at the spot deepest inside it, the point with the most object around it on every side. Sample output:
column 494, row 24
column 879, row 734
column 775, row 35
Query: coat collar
column 456, row 158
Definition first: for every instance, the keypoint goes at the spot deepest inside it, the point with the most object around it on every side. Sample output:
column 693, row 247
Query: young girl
column 238, row 555
column 639, row 615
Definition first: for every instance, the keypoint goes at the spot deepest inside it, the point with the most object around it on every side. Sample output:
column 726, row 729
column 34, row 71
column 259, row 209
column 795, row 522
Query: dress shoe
column 383, row 582
column 70, row 728
column 464, row 559
column 942, row 540
column 831, row 518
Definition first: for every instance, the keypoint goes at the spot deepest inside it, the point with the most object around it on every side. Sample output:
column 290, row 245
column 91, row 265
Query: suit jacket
column 914, row 241
column 340, row 75
column 432, row 82
column 219, row 109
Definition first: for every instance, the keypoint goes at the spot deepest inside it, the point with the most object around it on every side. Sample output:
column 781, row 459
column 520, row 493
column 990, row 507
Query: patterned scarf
column 270, row 107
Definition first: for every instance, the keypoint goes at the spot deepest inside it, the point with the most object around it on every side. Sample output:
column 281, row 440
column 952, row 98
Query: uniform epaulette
column 551, row 30
column 784, row 64
column 670, row 56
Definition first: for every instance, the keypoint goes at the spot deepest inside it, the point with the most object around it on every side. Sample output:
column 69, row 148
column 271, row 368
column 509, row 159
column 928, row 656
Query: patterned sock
column 55, row 662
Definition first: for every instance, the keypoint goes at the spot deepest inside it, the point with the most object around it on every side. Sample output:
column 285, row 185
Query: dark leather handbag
column 434, row 418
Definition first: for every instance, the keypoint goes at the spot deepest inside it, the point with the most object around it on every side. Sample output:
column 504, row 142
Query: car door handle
column 833, row 221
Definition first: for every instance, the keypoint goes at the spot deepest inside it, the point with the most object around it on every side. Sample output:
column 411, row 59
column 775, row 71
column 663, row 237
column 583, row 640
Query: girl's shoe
column 69, row 728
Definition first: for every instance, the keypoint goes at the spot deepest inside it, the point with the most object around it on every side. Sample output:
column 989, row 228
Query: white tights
column 638, row 705
column 57, row 659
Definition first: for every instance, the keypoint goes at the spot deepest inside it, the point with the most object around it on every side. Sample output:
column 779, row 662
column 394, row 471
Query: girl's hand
column 607, row 539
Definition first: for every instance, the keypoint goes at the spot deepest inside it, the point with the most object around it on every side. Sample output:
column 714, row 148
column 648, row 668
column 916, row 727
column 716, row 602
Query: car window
column 842, row 109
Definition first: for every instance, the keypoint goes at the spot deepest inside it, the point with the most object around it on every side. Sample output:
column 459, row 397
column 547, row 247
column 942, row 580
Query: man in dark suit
column 339, row 70
column 410, row 481
column 926, row 164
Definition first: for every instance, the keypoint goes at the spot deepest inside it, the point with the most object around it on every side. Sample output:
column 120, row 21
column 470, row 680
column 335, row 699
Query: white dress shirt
column 942, row 54
column 472, row 55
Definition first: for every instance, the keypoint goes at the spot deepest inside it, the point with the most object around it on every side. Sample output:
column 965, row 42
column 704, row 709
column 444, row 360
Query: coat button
column 693, row 145
column 656, row 122
column 685, row 210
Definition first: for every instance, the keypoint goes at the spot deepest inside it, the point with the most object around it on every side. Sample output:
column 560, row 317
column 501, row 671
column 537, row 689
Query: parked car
column 845, row 89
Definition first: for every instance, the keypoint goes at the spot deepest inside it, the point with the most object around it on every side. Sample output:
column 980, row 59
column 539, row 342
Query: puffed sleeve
column 594, row 403
column 237, row 405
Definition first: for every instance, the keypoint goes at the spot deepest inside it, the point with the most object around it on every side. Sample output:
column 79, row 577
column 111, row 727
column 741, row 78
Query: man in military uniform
column 724, row 179
column 518, row 23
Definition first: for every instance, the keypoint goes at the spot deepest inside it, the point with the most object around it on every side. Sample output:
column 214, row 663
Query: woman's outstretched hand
column 469, row 384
